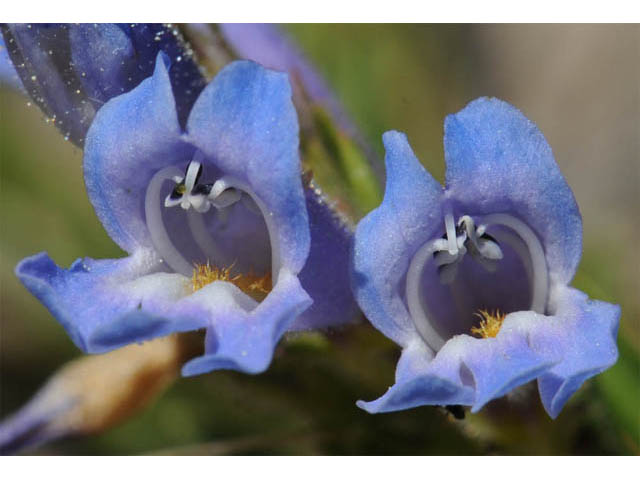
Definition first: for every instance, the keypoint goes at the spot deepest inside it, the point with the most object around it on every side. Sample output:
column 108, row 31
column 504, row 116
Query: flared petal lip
column 245, row 341
column 410, row 394
column 142, row 306
column 529, row 346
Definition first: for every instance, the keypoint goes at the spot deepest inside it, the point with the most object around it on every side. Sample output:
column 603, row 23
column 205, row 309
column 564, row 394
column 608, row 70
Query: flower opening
column 493, row 262
column 206, row 238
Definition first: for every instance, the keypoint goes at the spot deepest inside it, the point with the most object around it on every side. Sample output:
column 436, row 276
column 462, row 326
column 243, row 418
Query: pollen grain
column 256, row 286
column 490, row 323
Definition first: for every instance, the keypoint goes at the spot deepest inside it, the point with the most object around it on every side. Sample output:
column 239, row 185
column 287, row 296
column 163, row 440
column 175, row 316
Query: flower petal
column 245, row 340
column 8, row 75
column 105, row 56
column 133, row 136
column 244, row 121
column 41, row 54
column 326, row 275
column 416, row 385
column 500, row 364
column 387, row 238
column 585, row 333
column 498, row 161
column 467, row 370
column 71, row 70
column 104, row 304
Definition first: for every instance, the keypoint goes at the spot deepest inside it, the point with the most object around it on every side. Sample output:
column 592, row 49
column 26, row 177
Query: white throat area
column 482, row 240
column 196, row 199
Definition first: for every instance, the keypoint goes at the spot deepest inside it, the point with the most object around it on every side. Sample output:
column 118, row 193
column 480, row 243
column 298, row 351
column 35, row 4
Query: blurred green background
column 579, row 83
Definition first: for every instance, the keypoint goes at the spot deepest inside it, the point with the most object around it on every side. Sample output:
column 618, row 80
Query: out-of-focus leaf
column 339, row 166
column 348, row 163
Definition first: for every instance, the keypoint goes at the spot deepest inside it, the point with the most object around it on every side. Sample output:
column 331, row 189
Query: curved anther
column 222, row 195
column 480, row 245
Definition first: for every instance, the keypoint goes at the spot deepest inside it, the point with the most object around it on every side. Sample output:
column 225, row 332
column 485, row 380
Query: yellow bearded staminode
column 490, row 323
column 254, row 285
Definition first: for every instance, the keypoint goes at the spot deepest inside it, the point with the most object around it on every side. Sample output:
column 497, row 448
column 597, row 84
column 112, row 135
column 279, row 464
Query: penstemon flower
column 215, row 221
column 472, row 280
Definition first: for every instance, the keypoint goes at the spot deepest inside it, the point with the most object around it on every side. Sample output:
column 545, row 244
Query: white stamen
column 539, row 273
column 417, row 307
column 155, row 224
column 487, row 252
column 204, row 239
column 450, row 226
column 190, row 178
column 443, row 257
column 482, row 249
column 224, row 192
column 225, row 198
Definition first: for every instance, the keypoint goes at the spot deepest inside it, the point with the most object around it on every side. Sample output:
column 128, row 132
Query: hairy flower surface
column 214, row 218
column 71, row 70
column 472, row 280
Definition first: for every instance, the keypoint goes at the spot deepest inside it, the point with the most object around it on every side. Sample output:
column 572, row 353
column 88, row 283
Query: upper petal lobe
column 498, row 161
column 386, row 239
column 245, row 123
column 132, row 137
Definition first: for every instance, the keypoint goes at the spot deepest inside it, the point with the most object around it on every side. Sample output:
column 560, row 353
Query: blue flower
column 472, row 280
column 214, row 220
column 71, row 70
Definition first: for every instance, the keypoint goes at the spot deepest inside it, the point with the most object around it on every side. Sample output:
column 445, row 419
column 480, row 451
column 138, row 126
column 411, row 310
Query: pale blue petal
column 104, row 304
column 585, row 334
column 498, row 161
column 245, row 340
column 245, row 123
column 479, row 369
column 388, row 237
column 132, row 137
column 500, row 364
column 561, row 351
column 417, row 384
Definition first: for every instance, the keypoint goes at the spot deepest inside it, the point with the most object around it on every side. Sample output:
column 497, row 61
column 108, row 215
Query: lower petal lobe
column 245, row 340
column 104, row 304
column 586, row 338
